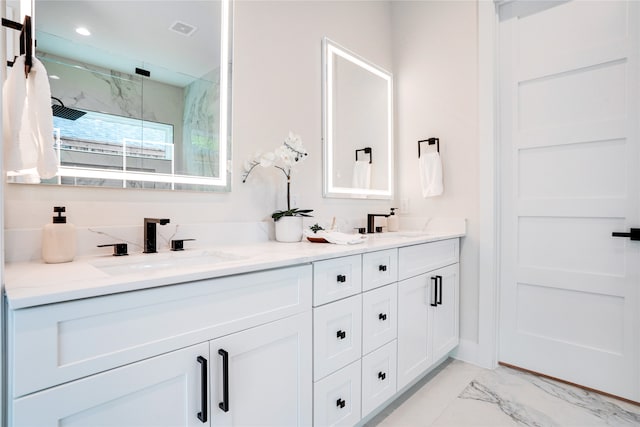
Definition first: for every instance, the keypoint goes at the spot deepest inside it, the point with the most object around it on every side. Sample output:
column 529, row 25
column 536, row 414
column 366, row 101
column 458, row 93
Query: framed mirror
column 140, row 91
column 357, row 126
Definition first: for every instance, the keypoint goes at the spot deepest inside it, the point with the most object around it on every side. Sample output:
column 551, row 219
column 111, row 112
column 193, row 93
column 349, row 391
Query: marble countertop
column 29, row 284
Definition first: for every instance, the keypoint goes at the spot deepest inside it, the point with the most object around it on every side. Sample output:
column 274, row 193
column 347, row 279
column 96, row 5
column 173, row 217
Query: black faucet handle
column 119, row 249
column 178, row 244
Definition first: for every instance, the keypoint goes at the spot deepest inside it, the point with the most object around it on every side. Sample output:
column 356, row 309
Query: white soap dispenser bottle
column 59, row 239
column 393, row 222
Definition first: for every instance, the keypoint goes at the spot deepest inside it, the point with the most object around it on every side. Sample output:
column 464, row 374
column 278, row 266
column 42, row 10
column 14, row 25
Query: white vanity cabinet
column 354, row 337
column 428, row 307
column 139, row 358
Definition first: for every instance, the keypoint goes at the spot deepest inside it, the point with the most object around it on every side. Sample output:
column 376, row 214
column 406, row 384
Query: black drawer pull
column 382, row 268
column 439, row 292
column 434, row 301
column 633, row 234
column 341, row 335
column 382, row 375
column 224, row 405
column 204, row 378
column 341, row 278
column 382, row 316
column 340, row 403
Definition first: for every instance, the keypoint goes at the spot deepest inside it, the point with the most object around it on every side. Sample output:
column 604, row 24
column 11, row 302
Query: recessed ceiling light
column 83, row 31
column 183, row 28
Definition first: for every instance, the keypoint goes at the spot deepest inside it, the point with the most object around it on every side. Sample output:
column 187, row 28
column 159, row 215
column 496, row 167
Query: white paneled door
column 569, row 177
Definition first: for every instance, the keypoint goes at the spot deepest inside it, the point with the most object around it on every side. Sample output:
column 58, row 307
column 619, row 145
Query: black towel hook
column 430, row 141
column 26, row 40
column 367, row 150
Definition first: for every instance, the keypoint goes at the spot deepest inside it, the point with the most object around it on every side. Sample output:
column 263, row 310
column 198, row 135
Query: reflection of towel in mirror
column 431, row 174
column 28, row 121
column 361, row 174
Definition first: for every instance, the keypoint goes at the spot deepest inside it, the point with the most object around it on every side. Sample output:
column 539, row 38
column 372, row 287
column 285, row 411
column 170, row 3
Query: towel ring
column 430, row 141
column 367, row 150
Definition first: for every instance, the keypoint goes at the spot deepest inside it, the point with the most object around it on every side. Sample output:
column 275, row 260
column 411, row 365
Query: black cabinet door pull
column 224, row 405
column 439, row 292
column 434, row 301
column 382, row 268
column 340, row 403
column 382, row 316
column 633, row 234
column 382, row 375
column 204, row 378
column 341, row 278
column 341, row 334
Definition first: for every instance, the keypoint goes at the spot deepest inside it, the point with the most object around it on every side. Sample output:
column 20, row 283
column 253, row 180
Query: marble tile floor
column 463, row 395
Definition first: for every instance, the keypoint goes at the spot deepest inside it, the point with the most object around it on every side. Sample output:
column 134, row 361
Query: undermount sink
column 152, row 262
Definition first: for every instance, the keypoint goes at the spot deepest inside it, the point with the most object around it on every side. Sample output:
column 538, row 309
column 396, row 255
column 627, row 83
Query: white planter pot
column 289, row 229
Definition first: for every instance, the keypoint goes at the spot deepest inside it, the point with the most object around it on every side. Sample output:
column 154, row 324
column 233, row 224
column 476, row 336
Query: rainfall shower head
column 66, row 112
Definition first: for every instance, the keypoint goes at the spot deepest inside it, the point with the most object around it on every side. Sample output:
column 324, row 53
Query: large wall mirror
column 140, row 91
column 357, row 126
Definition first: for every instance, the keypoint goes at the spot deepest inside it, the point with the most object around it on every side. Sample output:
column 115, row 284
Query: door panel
column 569, row 115
column 269, row 375
column 161, row 391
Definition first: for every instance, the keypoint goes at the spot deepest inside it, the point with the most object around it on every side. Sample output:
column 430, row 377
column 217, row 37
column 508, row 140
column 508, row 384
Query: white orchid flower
column 267, row 159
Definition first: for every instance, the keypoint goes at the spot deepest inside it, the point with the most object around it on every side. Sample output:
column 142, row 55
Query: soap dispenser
column 59, row 239
column 393, row 222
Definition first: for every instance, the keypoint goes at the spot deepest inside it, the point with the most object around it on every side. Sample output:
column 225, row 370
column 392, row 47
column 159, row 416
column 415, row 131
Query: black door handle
column 340, row 403
column 382, row 268
column 224, row 405
column 382, row 375
column 341, row 334
column 435, row 290
column 439, row 295
column 633, row 234
column 341, row 278
column 204, row 377
column 382, row 316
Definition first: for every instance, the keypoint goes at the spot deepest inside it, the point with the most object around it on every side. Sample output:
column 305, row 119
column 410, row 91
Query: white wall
column 277, row 88
column 436, row 67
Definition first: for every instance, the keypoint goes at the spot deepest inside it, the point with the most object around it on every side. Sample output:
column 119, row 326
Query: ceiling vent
column 183, row 28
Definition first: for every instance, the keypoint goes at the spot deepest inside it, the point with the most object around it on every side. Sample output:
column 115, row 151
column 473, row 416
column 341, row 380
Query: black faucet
column 150, row 233
column 371, row 221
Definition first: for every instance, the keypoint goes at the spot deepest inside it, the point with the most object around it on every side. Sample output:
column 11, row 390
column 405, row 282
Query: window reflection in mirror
column 150, row 82
column 358, row 126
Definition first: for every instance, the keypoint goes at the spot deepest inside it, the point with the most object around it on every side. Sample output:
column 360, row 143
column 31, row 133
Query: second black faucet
column 150, row 233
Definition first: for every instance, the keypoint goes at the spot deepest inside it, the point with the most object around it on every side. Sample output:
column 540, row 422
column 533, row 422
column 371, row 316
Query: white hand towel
column 361, row 174
column 431, row 174
column 28, row 121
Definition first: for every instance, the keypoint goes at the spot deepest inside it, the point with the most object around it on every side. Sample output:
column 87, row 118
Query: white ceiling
column 129, row 34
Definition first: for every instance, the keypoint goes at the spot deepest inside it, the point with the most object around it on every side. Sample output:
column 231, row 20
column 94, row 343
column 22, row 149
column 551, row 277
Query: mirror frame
column 329, row 50
column 221, row 183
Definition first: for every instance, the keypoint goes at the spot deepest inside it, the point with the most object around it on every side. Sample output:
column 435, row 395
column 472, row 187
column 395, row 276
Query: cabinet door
column 445, row 315
column 165, row 390
column 262, row 376
column 414, row 345
column 378, row 377
column 337, row 398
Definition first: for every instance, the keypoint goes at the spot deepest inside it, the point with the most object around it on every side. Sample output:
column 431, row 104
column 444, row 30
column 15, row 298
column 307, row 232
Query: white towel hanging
column 430, row 166
column 28, row 121
column 361, row 174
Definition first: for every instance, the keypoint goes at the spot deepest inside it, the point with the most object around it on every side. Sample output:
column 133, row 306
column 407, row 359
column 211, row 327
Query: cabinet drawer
column 337, row 335
column 336, row 278
column 60, row 342
column 418, row 259
column 337, row 398
column 378, row 377
column 379, row 268
column 379, row 317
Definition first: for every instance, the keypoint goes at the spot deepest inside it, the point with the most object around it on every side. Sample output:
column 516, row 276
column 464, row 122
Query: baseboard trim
column 518, row 368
